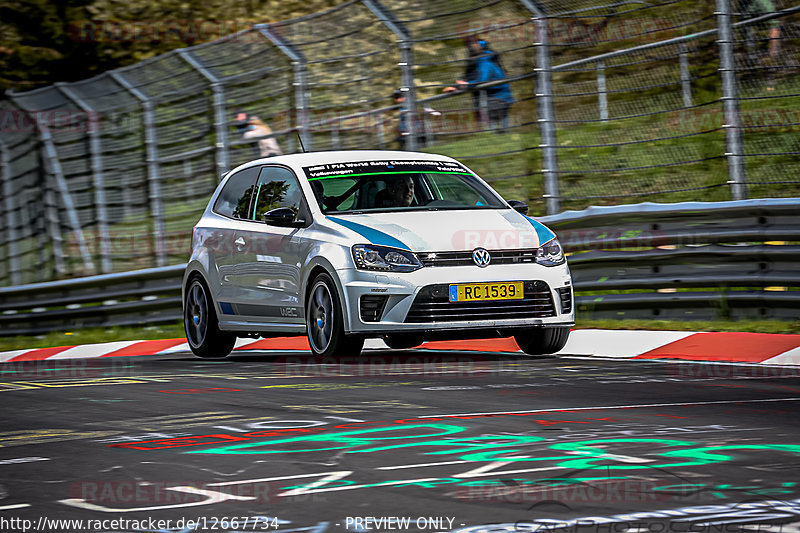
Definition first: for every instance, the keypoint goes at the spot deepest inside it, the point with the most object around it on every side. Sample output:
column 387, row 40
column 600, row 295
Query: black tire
column 403, row 341
column 541, row 341
column 325, row 324
column 201, row 324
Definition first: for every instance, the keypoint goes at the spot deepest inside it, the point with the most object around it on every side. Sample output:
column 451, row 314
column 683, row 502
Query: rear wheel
column 540, row 341
column 403, row 341
column 325, row 324
column 201, row 324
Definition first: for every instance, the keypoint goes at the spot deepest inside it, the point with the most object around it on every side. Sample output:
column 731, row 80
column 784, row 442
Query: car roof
column 341, row 156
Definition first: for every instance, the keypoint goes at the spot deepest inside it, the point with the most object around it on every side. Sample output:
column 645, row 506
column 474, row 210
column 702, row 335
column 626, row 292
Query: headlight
column 371, row 257
column 550, row 254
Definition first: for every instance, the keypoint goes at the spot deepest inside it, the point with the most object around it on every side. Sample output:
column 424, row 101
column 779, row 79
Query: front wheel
column 540, row 341
column 201, row 324
column 325, row 324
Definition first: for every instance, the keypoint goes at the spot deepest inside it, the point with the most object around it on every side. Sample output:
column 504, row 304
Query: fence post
column 407, row 75
column 301, row 102
column 220, row 116
column 428, row 129
column 335, row 134
column 602, row 96
column 381, row 135
column 730, row 101
column 12, row 239
column 53, row 168
column 686, row 78
column 406, row 65
column 52, row 225
column 153, row 170
column 544, row 97
column 483, row 105
column 300, row 83
column 98, row 179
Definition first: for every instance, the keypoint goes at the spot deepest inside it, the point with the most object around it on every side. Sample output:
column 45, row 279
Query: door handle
column 240, row 242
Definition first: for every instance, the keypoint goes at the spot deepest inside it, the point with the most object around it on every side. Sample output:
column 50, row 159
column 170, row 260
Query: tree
column 46, row 41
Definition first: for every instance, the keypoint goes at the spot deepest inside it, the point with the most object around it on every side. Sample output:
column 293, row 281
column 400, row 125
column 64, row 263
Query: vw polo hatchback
column 344, row 246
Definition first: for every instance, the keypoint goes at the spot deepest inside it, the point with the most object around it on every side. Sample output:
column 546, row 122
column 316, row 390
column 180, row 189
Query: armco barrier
column 128, row 298
column 692, row 260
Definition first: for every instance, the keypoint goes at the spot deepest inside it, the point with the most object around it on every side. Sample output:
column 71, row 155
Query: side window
column 234, row 200
column 276, row 187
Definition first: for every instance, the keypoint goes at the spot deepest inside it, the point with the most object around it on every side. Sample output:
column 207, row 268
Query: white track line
column 421, row 465
column 600, row 407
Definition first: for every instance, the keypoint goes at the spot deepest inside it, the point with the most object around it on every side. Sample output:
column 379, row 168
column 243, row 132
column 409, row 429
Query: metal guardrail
column 692, row 260
column 139, row 297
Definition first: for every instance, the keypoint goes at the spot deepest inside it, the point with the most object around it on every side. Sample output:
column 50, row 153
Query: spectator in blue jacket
column 486, row 68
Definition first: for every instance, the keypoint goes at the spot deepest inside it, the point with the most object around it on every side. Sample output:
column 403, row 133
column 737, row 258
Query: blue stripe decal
column 542, row 232
column 372, row 235
column 226, row 308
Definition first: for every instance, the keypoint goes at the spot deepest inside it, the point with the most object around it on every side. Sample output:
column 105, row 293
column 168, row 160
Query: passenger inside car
column 399, row 192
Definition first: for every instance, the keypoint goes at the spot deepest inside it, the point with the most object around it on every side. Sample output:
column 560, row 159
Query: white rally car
column 342, row 246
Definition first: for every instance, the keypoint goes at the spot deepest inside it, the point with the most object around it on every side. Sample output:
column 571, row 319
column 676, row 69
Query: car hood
column 442, row 231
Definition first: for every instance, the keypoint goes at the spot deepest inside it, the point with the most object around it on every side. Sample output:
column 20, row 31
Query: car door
column 270, row 256
column 234, row 205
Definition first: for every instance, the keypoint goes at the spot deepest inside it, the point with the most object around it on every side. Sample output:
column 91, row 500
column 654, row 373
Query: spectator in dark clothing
column 762, row 39
column 469, row 74
column 402, row 120
column 487, row 67
column 756, row 8
column 475, row 49
column 241, row 122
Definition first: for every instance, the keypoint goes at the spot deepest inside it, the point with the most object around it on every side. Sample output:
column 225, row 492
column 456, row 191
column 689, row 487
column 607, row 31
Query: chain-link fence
column 564, row 104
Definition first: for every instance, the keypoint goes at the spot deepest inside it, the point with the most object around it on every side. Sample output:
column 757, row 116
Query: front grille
column 565, row 293
column 499, row 257
column 371, row 307
column 433, row 304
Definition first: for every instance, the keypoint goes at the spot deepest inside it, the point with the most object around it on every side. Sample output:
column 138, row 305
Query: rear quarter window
column 234, row 199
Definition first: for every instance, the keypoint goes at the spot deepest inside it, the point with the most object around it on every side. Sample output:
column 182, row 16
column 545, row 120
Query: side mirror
column 519, row 207
column 281, row 216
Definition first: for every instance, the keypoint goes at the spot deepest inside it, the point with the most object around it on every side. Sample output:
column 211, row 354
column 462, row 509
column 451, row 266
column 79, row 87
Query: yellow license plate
column 470, row 292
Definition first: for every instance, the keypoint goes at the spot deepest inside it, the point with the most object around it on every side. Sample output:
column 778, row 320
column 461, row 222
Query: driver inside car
column 399, row 192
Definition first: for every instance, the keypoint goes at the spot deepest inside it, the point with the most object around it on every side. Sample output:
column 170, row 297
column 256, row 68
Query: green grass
column 175, row 331
column 598, row 175
column 93, row 335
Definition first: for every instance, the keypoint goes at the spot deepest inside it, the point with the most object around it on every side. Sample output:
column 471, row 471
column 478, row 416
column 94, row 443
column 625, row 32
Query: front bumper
column 399, row 291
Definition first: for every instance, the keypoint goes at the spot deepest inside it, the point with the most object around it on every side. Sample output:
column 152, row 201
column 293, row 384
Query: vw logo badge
column 481, row 257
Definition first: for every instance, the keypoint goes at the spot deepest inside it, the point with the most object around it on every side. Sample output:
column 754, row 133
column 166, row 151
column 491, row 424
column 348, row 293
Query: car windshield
column 398, row 186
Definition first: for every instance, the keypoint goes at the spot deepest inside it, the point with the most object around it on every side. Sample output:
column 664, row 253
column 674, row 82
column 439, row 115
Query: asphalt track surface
column 398, row 441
